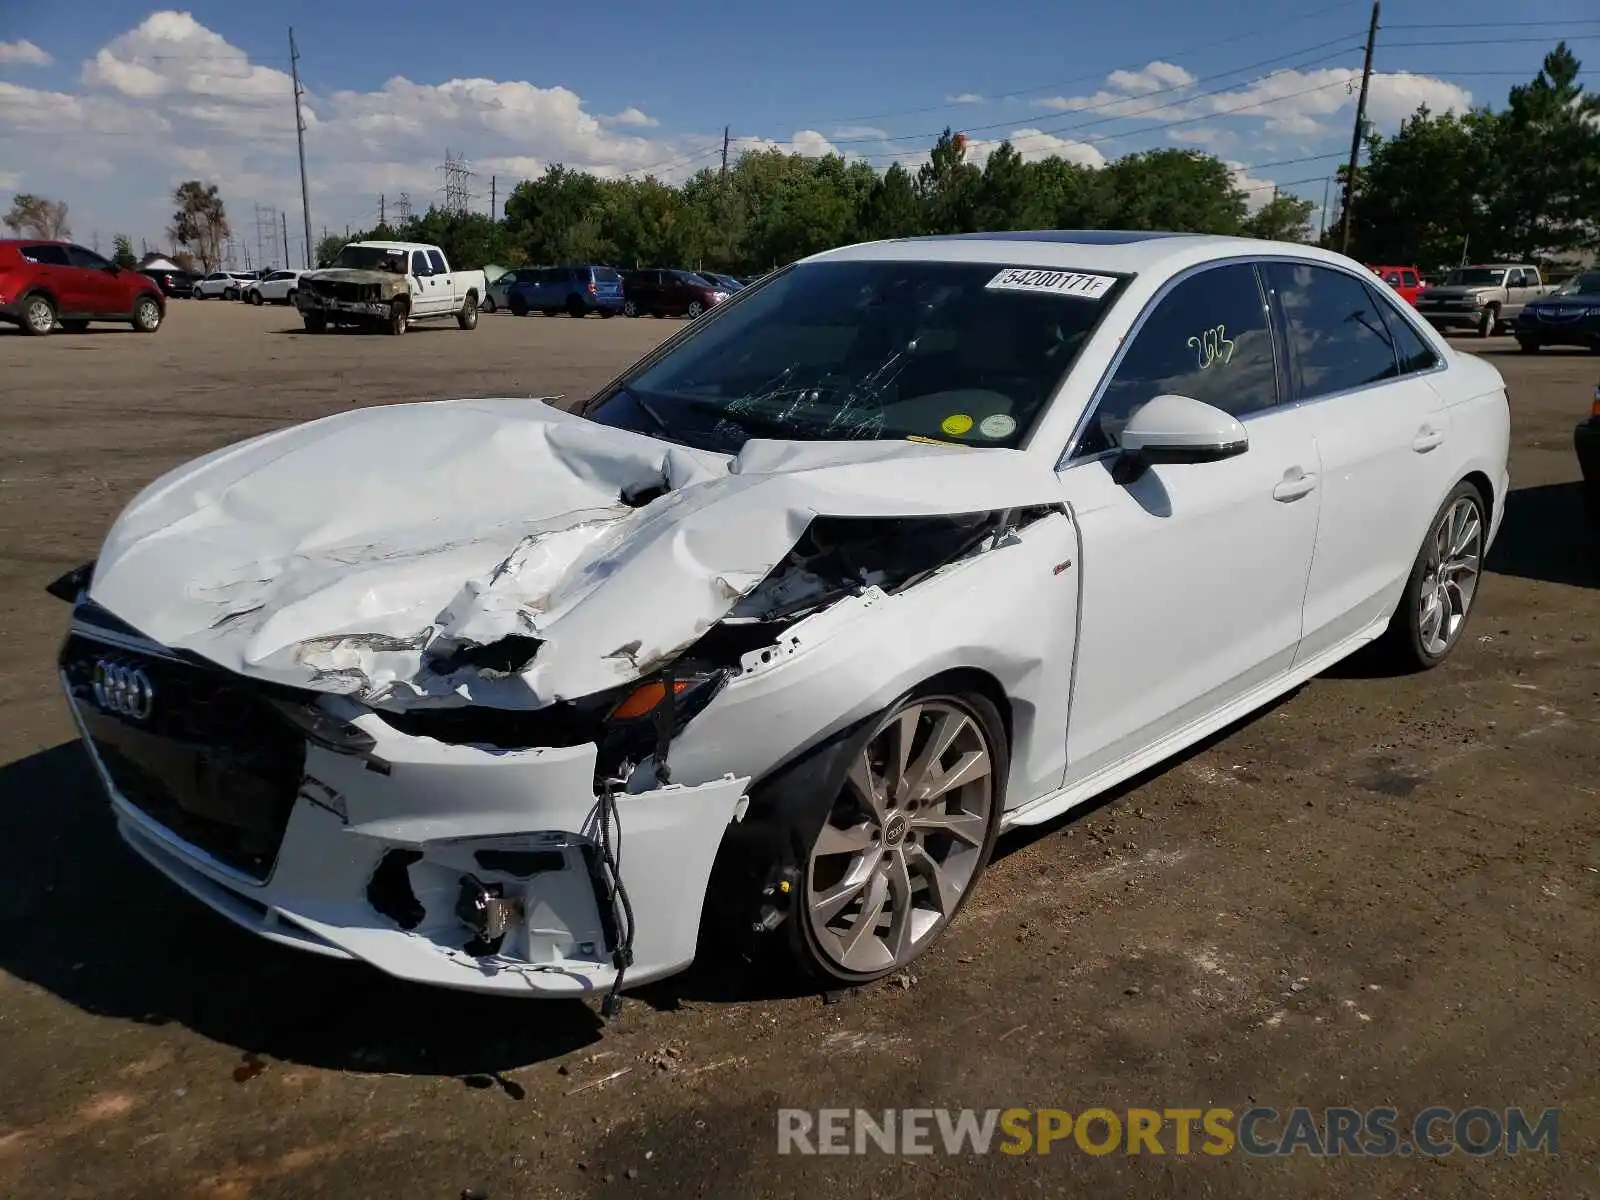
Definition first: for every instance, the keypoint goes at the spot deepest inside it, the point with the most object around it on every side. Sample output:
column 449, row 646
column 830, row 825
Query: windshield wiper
column 647, row 409
column 748, row 421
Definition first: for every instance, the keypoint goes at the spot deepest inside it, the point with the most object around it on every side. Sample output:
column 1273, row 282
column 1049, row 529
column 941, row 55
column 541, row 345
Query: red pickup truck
column 1403, row 280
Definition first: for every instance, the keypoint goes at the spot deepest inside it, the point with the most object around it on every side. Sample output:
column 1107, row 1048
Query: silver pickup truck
column 1486, row 298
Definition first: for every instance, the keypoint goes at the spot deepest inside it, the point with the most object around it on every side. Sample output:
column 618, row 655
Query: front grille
column 343, row 290
column 212, row 760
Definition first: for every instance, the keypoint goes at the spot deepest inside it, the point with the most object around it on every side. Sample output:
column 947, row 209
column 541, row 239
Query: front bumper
column 396, row 829
column 1586, row 441
column 1455, row 317
column 312, row 302
column 1579, row 329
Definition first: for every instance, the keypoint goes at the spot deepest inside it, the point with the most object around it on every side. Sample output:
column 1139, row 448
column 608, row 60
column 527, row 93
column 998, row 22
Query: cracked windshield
column 965, row 353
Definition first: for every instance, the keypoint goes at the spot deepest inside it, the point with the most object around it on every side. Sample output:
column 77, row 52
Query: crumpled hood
column 351, row 275
column 349, row 554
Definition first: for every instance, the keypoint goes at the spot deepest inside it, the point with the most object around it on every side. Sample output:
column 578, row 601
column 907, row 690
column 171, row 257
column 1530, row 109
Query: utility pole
column 300, row 137
column 1355, row 136
column 1322, row 221
column 283, row 220
column 494, row 197
column 382, row 203
column 725, row 131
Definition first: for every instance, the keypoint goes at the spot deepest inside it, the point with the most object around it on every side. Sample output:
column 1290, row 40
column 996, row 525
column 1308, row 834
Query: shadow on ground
column 1546, row 536
column 87, row 920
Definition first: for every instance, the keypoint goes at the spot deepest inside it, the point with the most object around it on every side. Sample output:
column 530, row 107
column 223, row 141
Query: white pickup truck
column 390, row 284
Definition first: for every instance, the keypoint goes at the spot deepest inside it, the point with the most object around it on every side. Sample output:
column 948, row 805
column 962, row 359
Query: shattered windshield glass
column 367, row 258
column 968, row 353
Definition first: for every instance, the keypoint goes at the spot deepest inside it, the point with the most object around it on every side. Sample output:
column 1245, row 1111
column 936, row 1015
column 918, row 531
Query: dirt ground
column 1383, row 891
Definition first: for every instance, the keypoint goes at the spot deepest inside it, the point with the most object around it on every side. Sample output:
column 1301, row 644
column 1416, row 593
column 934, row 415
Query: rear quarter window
column 606, row 275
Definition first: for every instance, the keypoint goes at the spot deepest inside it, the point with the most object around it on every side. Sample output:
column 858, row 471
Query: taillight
column 592, row 288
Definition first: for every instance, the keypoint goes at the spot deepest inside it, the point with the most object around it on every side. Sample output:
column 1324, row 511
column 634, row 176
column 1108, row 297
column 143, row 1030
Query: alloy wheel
column 1450, row 575
column 905, row 839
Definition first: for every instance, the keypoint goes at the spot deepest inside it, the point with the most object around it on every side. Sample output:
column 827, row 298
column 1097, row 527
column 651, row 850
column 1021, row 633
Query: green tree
column 1002, row 190
column 1184, row 191
column 949, row 187
column 200, row 223
column 122, row 252
column 328, row 247
column 891, row 208
column 37, row 216
column 1281, row 219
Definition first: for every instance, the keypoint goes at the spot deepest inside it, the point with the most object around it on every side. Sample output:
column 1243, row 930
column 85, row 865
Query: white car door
column 1362, row 370
column 444, row 282
column 424, row 296
column 1194, row 575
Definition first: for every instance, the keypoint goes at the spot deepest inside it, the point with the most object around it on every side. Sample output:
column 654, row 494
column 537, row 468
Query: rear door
column 449, row 297
column 48, row 268
column 1361, row 370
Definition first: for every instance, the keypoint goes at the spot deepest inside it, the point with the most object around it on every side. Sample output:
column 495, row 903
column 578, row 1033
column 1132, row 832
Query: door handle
column 1428, row 438
column 1295, row 483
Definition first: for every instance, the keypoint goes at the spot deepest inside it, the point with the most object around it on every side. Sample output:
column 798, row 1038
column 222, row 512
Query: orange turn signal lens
column 645, row 698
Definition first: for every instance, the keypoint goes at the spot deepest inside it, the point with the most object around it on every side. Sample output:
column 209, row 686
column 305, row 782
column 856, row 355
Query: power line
column 1345, row 45
column 1092, row 77
column 1494, row 24
column 1489, row 42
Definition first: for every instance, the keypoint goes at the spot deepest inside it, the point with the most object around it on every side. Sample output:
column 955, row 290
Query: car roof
column 1117, row 251
column 34, row 242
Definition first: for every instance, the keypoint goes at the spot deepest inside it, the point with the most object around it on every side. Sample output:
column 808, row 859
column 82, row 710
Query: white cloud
column 633, row 116
column 10, row 181
column 1258, row 193
column 1297, row 102
column 24, row 53
column 859, row 133
column 964, row 98
column 1033, row 145
column 806, row 142
column 1154, row 76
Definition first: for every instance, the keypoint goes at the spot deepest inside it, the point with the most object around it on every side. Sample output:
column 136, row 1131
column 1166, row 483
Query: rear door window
column 436, row 261
column 48, row 256
column 1337, row 337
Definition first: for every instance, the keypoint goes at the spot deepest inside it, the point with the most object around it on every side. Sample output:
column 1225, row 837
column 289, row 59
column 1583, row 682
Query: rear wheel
column 38, row 316
column 910, row 831
column 517, row 305
column 488, row 304
column 146, row 314
column 1443, row 584
column 292, row 298
column 467, row 318
column 231, row 294
column 630, row 309
column 576, row 307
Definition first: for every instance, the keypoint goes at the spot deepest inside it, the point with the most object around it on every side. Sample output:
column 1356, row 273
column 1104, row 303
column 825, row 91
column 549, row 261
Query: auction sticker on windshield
column 1061, row 283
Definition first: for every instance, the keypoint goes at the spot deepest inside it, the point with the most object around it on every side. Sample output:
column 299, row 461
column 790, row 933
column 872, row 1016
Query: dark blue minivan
column 576, row 291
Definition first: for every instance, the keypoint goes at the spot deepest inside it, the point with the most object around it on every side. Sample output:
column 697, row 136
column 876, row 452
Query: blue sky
column 107, row 103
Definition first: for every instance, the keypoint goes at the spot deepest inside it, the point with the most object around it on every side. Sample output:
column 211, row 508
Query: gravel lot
column 1380, row 892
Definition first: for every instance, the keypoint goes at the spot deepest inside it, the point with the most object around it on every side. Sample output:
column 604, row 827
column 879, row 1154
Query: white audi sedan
column 907, row 545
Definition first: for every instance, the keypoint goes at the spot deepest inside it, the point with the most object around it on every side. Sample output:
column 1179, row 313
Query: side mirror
column 1177, row 429
column 322, row 264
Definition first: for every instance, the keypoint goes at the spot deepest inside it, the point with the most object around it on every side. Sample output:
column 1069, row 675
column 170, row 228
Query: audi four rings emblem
column 124, row 689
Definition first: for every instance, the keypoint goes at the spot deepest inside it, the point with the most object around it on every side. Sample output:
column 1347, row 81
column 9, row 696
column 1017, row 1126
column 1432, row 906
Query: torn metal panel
column 363, row 553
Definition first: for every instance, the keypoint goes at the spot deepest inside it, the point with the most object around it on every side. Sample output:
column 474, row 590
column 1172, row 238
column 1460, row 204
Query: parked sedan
column 1586, row 439
column 275, row 287
column 668, row 293
column 228, row 285
column 1569, row 316
column 914, row 543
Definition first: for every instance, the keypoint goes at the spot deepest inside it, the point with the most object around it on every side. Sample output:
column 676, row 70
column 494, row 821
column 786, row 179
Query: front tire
column 38, row 316
column 255, row 299
column 146, row 315
column 1528, row 345
column 1489, row 321
column 315, row 322
column 230, row 294
column 488, row 305
column 399, row 318
column 695, row 309
column 576, row 308
column 1443, row 584
column 467, row 318
column 909, row 833
column 518, row 306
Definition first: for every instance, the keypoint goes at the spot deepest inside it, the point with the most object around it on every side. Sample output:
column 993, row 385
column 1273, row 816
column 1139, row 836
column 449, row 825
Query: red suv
column 43, row 283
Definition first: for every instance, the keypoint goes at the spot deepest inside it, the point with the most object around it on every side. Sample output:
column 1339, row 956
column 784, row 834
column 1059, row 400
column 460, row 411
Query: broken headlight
column 649, row 715
column 73, row 584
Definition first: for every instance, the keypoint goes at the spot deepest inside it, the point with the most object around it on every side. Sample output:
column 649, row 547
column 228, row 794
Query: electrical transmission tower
column 266, row 232
column 457, row 193
column 402, row 209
